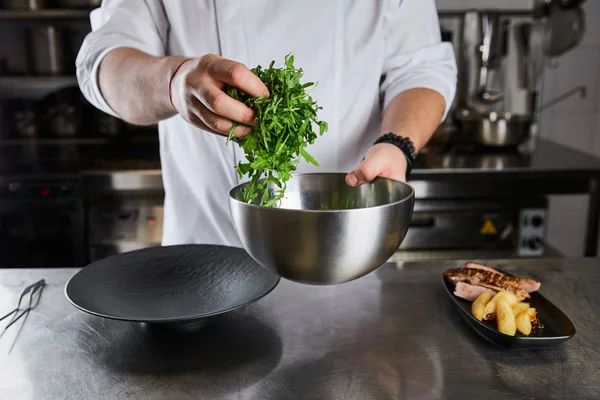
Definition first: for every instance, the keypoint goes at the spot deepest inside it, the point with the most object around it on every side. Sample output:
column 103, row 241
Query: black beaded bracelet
column 404, row 144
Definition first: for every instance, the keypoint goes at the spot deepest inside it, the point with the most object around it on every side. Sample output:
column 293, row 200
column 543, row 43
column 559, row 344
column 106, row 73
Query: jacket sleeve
column 415, row 56
column 140, row 24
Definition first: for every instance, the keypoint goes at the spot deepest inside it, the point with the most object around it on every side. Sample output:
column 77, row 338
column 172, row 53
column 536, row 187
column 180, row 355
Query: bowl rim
column 363, row 209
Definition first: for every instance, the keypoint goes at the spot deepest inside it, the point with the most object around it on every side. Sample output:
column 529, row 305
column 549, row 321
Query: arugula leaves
column 286, row 125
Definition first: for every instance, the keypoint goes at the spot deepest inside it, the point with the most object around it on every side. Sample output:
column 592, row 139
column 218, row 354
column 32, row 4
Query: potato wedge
column 511, row 298
column 489, row 311
column 523, row 321
column 506, row 317
column 520, row 308
column 479, row 305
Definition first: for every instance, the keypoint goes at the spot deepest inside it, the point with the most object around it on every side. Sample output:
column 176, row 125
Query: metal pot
column 25, row 4
column 47, row 51
column 79, row 3
column 495, row 129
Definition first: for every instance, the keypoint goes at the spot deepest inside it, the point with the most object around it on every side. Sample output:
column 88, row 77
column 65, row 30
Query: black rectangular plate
column 558, row 328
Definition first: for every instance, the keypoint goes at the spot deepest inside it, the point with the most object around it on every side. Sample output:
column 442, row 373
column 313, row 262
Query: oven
column 477, row 228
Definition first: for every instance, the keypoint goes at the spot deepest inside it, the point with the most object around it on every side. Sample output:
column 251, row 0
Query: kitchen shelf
column 44, row 14
column 52, row 141
column 27, row 87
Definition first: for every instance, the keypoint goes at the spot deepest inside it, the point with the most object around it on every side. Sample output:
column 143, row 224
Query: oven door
column 503, row 227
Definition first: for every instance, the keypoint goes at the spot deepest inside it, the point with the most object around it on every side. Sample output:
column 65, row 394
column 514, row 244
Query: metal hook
column 579, row 89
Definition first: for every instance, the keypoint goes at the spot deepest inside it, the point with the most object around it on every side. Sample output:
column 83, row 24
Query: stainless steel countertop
column 393, row 334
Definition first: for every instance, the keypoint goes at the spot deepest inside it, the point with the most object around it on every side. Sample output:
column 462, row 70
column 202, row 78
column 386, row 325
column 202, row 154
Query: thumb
column 365, row 172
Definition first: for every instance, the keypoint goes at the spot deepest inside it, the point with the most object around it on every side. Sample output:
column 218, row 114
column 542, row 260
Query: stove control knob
column 537, row 221
column 535, row 243
column 15, row 187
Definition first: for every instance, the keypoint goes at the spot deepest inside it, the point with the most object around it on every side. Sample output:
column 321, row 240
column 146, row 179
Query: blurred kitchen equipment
column 32, row 5
column 79, row 3
column 494, row 129
column 568, row 4
column 325, row 232
column 505, row 129
column 485, row 58
column 41, row 217
column 106, row 125
column 582, row 90
column 453, row 7
column 64, row 120
column 47, row 53
column 501, row 58
column 532, row 42
column 62, row 112
column 492, row 49
column 24, row 122
column 565, row 29
column 4, row 126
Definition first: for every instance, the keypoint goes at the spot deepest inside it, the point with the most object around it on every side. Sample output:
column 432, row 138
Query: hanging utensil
column 523, row 34
column 569, row 4
column 565, row 30
column 491, row 53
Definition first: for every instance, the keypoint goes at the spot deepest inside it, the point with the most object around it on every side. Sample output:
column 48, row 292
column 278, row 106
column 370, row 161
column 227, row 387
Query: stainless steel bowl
column 324, row 231
column 495, row 130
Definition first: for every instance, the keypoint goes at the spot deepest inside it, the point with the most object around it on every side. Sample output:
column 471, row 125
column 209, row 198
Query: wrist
column 175, row 67
column 404, row 144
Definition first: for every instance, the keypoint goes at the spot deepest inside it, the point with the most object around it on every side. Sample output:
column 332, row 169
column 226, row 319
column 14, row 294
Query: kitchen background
column 48, row 135
column 574, row 123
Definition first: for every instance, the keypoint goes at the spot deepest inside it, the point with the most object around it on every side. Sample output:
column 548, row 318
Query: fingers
column 366, row 171
column 384, row 160
column 199, row 98
column 215, row 100
column 235, row 74
column 205, row 119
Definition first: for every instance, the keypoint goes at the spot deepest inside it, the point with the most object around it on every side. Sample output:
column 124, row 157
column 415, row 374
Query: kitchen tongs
column 35, row 293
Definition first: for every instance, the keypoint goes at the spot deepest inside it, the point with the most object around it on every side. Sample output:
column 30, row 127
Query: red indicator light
column 45, row 192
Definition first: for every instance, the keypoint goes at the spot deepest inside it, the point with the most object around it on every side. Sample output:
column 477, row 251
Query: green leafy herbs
column 286, row 124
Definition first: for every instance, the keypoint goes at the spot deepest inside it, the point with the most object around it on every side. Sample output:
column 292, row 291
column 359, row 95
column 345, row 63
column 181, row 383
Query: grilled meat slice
column 489, row 278
column 470, row 292
column 527, row 284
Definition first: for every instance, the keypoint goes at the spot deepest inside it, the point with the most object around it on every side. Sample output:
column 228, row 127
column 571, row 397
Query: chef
column 384, row 79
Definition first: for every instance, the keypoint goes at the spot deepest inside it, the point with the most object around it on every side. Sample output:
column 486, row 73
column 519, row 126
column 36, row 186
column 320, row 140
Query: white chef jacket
column 361, row 53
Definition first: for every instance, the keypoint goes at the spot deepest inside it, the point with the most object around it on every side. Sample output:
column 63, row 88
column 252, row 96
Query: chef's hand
column 196, row 92
column 384, row 160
